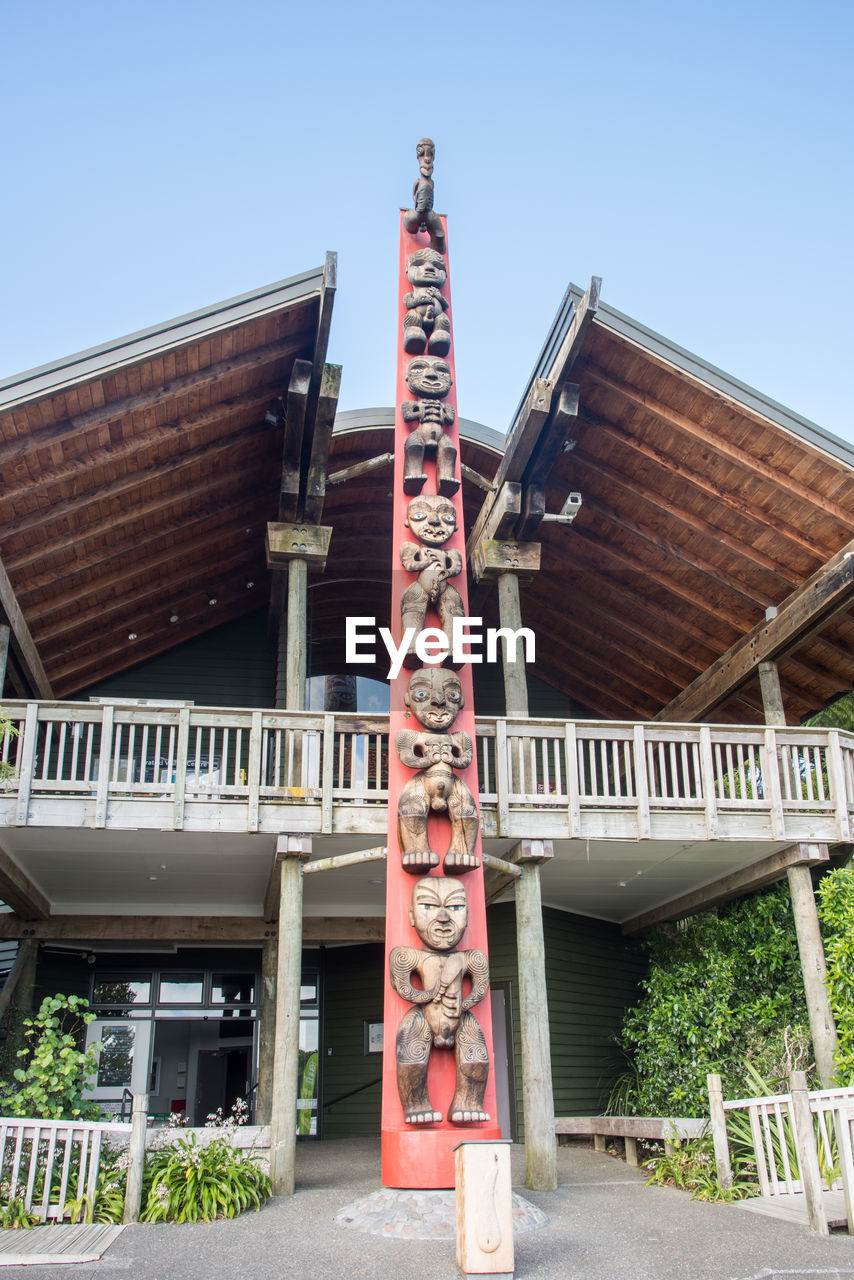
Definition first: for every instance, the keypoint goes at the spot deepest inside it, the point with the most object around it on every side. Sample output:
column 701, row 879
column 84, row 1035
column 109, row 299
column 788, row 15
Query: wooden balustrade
column 199, row 768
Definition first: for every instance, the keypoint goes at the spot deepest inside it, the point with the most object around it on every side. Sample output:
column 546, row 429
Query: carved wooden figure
column 429, row 378
column 425, row 325
column 421, row 216
column 433, row 520
column 434, row 698
column 441, row 1017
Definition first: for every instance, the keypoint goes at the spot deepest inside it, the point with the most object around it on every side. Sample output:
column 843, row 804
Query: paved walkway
column 604, row 1224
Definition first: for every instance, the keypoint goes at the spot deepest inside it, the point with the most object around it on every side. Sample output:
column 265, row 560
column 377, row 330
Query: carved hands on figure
column 441, row 1017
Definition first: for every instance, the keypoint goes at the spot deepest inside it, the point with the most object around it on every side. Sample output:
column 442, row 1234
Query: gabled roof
column 704, row 504
column 138, row 477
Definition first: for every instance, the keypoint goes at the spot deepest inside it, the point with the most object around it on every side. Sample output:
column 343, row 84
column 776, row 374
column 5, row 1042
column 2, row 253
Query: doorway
column 222, row 1076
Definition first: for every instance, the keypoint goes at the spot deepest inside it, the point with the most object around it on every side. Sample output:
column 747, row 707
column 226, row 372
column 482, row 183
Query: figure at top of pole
column 422, row 215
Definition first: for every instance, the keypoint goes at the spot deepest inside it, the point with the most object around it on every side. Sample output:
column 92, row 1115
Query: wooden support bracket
column 297, row 542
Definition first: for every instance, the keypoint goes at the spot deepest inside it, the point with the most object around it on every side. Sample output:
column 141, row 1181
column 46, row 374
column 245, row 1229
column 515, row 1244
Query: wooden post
column 631, row 1152
column 814, row 969
column 20, row 984
column 804, row 1135
column 266, row 1031
column 600, row 1142
column 717, row 1117
column 810, row 945
column 484, row 1204
column 515, row 679
column 136, row 1154
column 283, row 1120
column 295, row 670
column 538, row 1098
column 4, row 654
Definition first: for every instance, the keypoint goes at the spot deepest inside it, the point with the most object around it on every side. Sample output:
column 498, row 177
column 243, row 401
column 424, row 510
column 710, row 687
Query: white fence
column 210, row 768
column 801, row 1141
column 46, row 1163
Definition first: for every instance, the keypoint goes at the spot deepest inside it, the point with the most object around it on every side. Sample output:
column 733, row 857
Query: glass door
column 123, row 1059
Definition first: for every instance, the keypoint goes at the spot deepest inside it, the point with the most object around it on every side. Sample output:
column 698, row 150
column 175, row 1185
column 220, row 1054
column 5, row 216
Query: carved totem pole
column 438, row 1086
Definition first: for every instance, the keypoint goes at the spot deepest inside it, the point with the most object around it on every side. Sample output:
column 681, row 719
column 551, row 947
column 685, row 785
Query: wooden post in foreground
column 810, row 945
column 804, row 1134
column 136, row 1154
column 717, row 1116
column 266, row 1031
column 515, row 676
column 283, row 1120
column 537, row 1094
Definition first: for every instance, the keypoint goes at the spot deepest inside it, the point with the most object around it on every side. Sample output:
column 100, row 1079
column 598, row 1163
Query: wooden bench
column 666, row 1129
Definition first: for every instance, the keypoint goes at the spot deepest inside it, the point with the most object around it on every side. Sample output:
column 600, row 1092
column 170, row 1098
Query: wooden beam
column 524, row 437
column 295, row 427
column 497, row 517
column 492, row 558
column 822, row 597
column 321, row 343
column 179, row 929
column 561, row 423
column 361, row 468
column 18, row 891
column 756, row 876
column 21, row 639
column 501, row 873
column 247, row 363
column 711, row 436
column 296, row 541
column 324, row 422
column 567, row 354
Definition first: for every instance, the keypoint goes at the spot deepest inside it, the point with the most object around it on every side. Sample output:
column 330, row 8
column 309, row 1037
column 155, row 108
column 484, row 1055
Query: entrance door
column 123, row 1060
column 221, row 1079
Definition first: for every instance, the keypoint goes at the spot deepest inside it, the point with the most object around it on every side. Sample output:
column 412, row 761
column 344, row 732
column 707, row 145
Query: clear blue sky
column 159, row 157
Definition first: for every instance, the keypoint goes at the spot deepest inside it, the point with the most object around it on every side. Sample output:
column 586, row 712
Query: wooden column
column 283, row 1120
column 136, row 1154
column 20, row 984
column 810, row 945
column 814, row 969
column 515, row 677
column 266, row 1031
column 538, row 1098
column 4, row 654
column 295, row 670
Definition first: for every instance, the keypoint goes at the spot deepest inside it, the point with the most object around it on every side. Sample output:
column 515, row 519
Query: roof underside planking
column 139, row 479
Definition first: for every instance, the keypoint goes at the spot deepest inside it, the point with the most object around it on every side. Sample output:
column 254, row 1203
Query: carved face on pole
column 426, row 267
column 439, row 913
column 429, row 376
column 435, row 697
column 432, row 519
column 426, row 153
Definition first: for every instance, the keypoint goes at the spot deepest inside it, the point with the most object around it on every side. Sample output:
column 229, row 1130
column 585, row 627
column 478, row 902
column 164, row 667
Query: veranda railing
column 578, row 777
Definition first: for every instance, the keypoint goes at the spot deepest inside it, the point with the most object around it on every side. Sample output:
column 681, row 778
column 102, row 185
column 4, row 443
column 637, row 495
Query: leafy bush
column 691, row 1167
column 836, row 912
column 13, row 1212
column 722, row 987
column 55, row 1071
column 193, row 1183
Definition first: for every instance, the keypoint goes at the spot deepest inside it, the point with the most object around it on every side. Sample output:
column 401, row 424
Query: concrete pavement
column 604, row 1224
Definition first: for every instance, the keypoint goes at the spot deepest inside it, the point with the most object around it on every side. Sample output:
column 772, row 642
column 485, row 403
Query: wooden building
column 174, row 656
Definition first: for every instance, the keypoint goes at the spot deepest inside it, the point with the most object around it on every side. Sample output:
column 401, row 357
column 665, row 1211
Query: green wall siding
column 353, row 994
column 231, row 666
column 593, row 975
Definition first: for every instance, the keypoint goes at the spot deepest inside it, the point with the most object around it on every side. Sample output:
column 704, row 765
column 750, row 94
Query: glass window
column 181, row 988
column 115, row 1063
column 308, row 991
column 233, row 988
column 122, row 988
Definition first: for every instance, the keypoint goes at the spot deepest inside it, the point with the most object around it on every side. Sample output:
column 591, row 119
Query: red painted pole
column 421, row 1156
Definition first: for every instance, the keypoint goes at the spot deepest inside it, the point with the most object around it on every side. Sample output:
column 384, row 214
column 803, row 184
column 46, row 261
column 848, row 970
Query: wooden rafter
column 786, row 483
column 24, row 647
column 18, row 891
column 704, row 484
column 143, row 401
column 824, row 595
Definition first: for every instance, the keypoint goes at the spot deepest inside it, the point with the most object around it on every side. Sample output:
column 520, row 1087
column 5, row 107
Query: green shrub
column 723, row 987
column 193, row 1183
column 691, row 1167
column 836, row 911
column 54, row 1071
